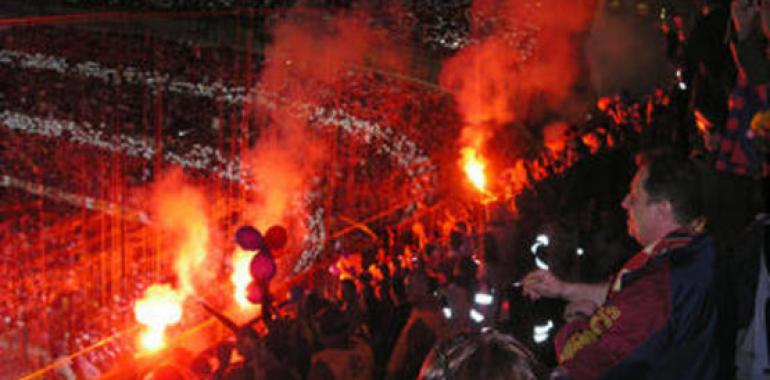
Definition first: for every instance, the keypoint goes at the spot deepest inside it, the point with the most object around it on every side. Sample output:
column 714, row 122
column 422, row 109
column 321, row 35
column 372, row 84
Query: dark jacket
column 659, row 321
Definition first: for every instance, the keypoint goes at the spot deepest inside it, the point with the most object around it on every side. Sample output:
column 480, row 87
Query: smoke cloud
column 521, row 67
column 625, row 52
column 309, row 58
column 180, row 211
column 526, row 56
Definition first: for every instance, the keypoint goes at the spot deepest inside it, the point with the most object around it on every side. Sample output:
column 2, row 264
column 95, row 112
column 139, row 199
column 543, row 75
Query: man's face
column 641, row 222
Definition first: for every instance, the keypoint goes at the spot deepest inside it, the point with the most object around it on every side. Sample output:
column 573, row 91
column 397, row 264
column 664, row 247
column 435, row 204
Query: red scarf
column 675, row 239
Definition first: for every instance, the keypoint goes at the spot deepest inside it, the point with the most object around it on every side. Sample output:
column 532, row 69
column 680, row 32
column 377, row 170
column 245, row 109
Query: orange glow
column 192, row 252
column 349, row 265
column 760, row 124
column 592, row 142
column 499, row 79
column 241, row 277
column 181, row 211
column 516, row 179
column 604, row 103
column 160, row 307
column 702, row 123
column 538, row 171
column 376, row 273
column 474, row 166
column 555, row 137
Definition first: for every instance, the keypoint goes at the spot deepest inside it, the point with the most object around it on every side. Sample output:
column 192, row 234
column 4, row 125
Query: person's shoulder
column 693, row 267
column 700, row 251
column 320, row 371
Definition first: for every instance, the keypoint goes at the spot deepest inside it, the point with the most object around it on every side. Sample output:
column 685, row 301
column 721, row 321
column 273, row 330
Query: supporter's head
column 664, row 195
column 348, row 292
column 464, row 272
column 247, row 342
column 432, row 252
column 331, row 325
column 311, row 304
column 278, row 339
column 455, row 240
column 419, row 286
column 297, row 294
column 490, row 356
column 381, row 256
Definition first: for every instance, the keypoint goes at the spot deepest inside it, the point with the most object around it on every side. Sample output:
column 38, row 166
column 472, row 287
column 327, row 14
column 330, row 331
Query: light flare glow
column 474, row 167
column 160, row 307
column 241, row 277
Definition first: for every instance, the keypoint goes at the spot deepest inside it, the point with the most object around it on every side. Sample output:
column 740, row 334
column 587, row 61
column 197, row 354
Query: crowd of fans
column 57, row 305
column 63, row 89
column 343, row 319
column 441, row 26
column 60, row 91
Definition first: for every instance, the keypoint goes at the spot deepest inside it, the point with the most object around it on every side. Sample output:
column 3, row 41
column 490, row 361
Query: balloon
column 254, row 292
column 262, row 267
column 249, row 238
column 276, row 237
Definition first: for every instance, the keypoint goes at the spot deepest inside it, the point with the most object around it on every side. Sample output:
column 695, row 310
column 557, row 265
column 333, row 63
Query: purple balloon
column 249, row 238
column 262, row 267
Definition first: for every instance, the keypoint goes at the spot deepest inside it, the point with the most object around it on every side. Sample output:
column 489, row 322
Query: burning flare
column 474, row 168
column 160, row 307
column 241, row 277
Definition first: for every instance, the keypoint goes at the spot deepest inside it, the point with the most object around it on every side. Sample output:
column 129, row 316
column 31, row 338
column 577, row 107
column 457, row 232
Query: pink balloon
column 254, row 292
column 262, row 267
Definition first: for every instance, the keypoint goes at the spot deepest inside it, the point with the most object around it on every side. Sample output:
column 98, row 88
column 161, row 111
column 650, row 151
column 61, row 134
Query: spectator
column 490, row 355
column 657, row 318
column 751, row 295
column 426, row 325
column 738, row 163
column 343, row 356
column 352, row 306
column 459, row 293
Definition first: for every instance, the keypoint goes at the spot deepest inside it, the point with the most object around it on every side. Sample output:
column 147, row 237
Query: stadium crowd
column 430, row 299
